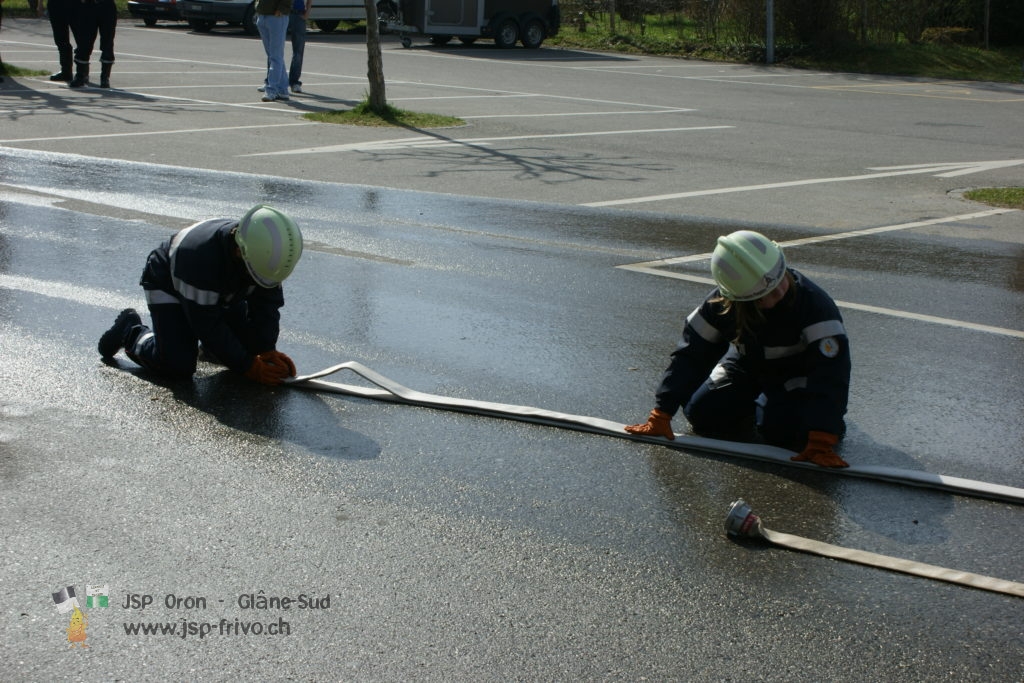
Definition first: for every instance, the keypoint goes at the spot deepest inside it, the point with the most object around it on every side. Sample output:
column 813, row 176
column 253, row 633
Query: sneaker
column 296, row 88
column 113, row 339
column 267, row 98
column 262, row 88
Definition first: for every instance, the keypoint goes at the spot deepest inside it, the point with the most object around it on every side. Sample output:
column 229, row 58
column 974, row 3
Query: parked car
column 152, row 11
column 203, row 15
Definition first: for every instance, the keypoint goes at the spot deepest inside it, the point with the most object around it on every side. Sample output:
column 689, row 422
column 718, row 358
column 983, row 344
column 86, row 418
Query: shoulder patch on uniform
column 829, row 347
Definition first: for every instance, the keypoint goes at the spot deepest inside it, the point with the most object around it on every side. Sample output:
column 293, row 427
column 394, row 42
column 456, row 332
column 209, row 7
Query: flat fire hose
column 388, row 390
column 741, row 521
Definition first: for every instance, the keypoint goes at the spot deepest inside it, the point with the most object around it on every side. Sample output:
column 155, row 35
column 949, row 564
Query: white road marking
column 420, row 141
column 71, row 291
column 158, row 132
column 940, row 170
column 577, row 113
column 965, row 168
column 817, row 239
column 654, row 268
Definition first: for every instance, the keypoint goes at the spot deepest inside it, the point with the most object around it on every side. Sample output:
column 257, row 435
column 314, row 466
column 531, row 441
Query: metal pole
column 988, row 17
column 770, row 31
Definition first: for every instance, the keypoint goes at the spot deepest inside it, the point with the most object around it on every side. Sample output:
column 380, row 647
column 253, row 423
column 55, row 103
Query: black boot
column 115, row 339
column 81, row 76
column 105, row 74
column 65, row 69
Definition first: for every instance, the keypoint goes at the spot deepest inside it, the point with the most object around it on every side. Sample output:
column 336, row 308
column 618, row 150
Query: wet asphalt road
column 455, row 547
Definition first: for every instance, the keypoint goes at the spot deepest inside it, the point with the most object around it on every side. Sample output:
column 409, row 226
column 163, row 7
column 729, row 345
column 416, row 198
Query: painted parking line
column 578, row 113
column 657, row 268
column 177, row 131
column 818, row 239
column 421, row 141
column 941, row 170
column 935, row 90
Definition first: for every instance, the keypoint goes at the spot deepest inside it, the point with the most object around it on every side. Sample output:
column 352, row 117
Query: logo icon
column 76, row 629
column 65, row 600
column 97, row 596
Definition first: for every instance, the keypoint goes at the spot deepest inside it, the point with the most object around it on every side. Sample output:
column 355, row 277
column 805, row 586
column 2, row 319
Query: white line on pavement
column 178, row 131
column 945, row 170
column 654, row 268
column 433, row 142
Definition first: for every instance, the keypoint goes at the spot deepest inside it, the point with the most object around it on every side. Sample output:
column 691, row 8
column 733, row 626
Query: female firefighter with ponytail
column 766, row 349
column 215, row 283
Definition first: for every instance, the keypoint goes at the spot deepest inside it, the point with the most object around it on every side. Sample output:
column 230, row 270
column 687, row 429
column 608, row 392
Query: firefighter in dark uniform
column 215, row 283
column 60, row 12
column 89, row 18
column 766, row 349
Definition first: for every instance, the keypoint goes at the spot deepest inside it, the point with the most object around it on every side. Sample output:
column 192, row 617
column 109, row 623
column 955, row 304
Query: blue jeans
column 273, row 30
column 297, row 31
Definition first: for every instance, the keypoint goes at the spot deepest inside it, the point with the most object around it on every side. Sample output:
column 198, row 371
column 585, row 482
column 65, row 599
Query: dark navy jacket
column 199, row 269
column 801, row 345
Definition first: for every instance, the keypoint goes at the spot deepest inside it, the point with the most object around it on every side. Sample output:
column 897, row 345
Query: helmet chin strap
column 262, row 282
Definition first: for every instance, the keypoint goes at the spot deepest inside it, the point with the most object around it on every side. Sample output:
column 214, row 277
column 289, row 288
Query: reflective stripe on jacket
column 800, row 345
column 199, row 269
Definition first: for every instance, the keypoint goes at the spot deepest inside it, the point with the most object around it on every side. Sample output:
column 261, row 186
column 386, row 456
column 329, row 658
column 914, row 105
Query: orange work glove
column 264, row 371
column 658, row 424
column 278, row 358
column 819, row 451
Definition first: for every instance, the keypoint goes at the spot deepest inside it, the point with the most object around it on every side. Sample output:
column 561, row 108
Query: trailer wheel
column 326, row 25
column 533, row 33
column 200, row 25
column 440, row 40
column 406, row 42
column 467, row 40
column 507, row 33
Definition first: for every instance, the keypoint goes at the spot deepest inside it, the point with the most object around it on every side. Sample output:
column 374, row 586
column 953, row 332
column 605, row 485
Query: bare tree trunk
column 375, row 71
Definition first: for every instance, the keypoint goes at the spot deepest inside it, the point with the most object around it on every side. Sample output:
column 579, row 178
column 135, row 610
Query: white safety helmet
column 747, row 265
column 270, row 243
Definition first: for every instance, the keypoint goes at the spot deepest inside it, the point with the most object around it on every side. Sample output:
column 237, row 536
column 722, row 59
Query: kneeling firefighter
column 215, row 283
column 767, row 349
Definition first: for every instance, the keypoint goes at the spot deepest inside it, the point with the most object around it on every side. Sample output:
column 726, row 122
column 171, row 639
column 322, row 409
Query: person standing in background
column 89, row 18
column 272, row 22
column 2, row 69
column 297, row 31
column 59, row 12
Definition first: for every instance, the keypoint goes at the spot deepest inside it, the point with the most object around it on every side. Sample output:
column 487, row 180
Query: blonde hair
column 748, row 315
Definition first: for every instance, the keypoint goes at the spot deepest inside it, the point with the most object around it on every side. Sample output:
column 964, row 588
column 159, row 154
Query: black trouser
column 92, row 17
column 733, row 400
column 60, row 12
column 170, row 347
